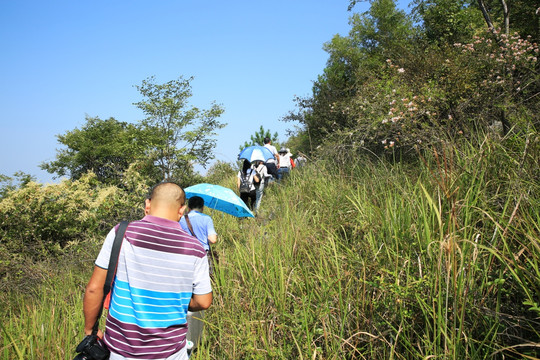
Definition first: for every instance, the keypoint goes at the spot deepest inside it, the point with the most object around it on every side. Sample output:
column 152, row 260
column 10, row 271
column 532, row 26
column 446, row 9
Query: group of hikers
column 254, row 176
column 160, row 268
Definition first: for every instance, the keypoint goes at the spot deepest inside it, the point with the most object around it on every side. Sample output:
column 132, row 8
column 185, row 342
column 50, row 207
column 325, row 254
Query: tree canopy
column 182, row 134
column 164, row 146
column 258, row 138
column 398, row 82
column 105, row 147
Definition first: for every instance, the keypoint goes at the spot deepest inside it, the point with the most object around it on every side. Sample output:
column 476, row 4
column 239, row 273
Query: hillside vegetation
column 439, row 259
column 377, row 261
column 412, row 233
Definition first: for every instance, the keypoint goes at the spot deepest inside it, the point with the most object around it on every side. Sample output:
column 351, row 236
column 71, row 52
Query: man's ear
column 181, row 211
column 147, row 207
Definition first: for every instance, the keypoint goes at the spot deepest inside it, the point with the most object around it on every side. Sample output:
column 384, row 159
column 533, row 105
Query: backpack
column 246, row 180
column 256, row 178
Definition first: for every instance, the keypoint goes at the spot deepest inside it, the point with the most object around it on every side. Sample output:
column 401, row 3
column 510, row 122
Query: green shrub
column 38, row 220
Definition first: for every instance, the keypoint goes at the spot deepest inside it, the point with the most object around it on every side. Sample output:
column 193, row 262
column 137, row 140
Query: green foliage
column 354, row 60
column 383, row 30
column 19, row 179
column 165, row 145
column 182, row 135
column 299, row 142
column 448, row 21
column 375, row 260
column 406, row 264
column 105, row 147
column 219, row 171
column 423, row 104
column 389, row 88
column 38, row 220
column 258, row 138
column 523, row 17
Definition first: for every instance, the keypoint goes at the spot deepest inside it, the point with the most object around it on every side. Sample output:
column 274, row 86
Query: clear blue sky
column 63, row 60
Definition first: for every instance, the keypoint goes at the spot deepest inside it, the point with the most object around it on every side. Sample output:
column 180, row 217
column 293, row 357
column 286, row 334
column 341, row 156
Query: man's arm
column 200, row 302
column 93, row 298
column 212, row 238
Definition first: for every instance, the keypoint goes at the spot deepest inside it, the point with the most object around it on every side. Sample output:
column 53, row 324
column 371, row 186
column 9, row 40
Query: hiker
column 245, row 184
column 272, row 164
column 291, row 160
column 284, row 163
column 262, row 171
column 300, row 160
column 158, row 263
column 201, row 226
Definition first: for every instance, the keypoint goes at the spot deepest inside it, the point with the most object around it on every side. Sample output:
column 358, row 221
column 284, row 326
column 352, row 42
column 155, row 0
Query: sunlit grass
column 432, row 261
column 46, row 324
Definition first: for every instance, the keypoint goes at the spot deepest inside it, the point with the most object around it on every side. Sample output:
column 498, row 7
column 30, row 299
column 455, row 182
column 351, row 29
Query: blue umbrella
column 219, row 198
column 256, row 152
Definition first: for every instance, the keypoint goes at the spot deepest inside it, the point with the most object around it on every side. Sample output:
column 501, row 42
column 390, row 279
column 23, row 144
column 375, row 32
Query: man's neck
column 169, row 215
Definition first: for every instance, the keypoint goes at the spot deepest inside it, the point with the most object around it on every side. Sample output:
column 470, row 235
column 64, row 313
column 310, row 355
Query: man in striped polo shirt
column 162, row 273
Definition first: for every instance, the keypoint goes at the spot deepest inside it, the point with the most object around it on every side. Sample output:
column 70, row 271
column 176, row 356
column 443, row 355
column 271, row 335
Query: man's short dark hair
column 266, row 140
column 196, row 202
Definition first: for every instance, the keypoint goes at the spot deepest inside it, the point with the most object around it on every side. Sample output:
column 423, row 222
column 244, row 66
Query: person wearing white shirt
column 261, row 169
column 272, row 165
column 284, row 163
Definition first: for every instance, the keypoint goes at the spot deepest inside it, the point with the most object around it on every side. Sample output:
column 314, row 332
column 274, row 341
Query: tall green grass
column 45, row 322
column 434, row 260
column 438, row 260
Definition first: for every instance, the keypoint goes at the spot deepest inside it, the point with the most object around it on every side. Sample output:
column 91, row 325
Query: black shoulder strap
column 113, row 261
column 190, row 227
column 111, row 270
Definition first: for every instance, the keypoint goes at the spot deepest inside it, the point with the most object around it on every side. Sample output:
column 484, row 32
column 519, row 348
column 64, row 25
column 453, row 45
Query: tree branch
column 487, row 18
column 506, row 17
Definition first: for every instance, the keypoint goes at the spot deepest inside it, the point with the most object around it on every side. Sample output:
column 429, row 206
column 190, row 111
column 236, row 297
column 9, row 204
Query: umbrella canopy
column 256, row 152
column 219, row 198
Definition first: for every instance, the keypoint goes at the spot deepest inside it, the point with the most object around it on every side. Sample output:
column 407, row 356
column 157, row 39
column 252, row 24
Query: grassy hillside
column 377, row 261
column 364, row 260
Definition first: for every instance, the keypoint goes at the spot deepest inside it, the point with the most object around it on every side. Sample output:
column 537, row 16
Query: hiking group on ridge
column 254, row 176
column 158, row 270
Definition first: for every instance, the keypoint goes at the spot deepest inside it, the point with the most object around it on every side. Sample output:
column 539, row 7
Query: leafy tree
column 219, row 172
column 7, row 185
column 525, row 19
column 182, row 135
column 105, row 147
column 386, row 89
column 258, row 138
column 163, row 146
column 448, row 21
column 382, row 32
column 299, row 138
column 19, row 180
column 506, row 17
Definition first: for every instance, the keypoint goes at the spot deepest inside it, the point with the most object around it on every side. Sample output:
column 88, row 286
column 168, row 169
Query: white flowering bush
column 506, row 77
column 460, row 91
